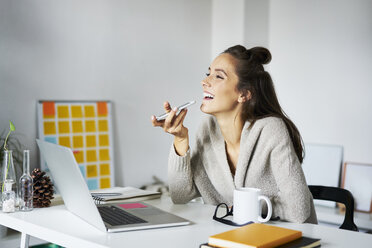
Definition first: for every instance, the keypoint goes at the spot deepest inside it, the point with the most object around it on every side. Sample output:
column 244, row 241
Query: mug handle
column 269, row 209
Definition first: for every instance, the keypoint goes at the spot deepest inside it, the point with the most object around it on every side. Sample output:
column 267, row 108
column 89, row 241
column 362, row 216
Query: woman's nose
column 205, row 82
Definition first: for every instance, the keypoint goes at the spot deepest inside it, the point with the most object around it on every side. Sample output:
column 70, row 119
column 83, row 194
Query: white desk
column 59, row 226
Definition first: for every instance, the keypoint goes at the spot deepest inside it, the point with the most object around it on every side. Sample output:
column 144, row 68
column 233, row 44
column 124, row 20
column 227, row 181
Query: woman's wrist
column 181, row 143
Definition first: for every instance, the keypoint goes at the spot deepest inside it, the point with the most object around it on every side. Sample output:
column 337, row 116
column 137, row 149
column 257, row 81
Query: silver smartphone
column 183, row 106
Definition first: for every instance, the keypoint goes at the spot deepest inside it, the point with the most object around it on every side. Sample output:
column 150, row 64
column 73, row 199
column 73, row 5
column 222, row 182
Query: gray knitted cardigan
column 267, row 160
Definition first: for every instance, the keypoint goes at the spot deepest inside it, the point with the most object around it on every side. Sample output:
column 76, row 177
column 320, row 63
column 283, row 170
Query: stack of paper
column 116, row 194
column 123, row 194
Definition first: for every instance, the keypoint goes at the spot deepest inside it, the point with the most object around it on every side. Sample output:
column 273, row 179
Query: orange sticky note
column 102, row 108
column 48, row 110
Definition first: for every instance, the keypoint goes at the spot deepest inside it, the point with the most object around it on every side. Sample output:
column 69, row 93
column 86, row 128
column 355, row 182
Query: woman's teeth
column 207, row 96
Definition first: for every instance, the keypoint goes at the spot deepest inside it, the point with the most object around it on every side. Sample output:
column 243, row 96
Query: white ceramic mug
column 247, row 206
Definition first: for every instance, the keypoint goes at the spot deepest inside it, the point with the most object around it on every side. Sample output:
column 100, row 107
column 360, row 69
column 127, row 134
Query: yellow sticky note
column 105, row 182
column 103, row 125
column 63, row 112
column 76, row 112
column 79, row 156
column 90, row 126
column 103, row 140
column 77, row 126
column 49, row 128
column 91, row 140
column 64, row 141
column 91, row 170
column 89, row 111
column 77, row 141
column 104, row 169
column 63, row 127
column 104, row 155
column 91, row 156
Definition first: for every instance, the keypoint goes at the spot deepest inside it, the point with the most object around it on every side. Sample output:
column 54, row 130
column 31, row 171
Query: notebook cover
column 254, row 235
column 303, row 242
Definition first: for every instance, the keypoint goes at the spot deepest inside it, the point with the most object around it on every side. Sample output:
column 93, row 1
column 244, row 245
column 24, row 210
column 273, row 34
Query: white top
column 267, row 160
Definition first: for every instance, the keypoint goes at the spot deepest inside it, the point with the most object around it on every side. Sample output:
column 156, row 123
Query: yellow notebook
column 254, row 235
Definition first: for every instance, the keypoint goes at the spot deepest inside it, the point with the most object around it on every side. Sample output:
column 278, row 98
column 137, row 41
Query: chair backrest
column 337, row 195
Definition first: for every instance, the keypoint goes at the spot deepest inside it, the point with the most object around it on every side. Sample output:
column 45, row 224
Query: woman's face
column 219, row 87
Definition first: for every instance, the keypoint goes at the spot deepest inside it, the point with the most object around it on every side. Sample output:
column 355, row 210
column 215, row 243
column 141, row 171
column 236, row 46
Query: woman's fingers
column 167, row 107
column 170, row 119
column 179, row 119
column 173, row 123
column 156, row 123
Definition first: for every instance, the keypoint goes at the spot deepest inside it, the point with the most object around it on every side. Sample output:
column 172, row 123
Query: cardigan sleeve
column 294, row 202
column 180, row 176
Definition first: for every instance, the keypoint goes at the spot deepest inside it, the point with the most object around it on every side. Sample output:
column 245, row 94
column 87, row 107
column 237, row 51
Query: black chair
column 338, row 195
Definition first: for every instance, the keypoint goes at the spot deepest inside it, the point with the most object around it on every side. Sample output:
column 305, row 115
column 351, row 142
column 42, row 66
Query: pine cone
column 43, row 189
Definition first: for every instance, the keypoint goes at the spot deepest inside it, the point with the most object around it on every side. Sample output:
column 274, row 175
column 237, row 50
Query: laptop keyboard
column 117, row 217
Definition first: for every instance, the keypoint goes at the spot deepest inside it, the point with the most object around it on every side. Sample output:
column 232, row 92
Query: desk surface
column 57, row 225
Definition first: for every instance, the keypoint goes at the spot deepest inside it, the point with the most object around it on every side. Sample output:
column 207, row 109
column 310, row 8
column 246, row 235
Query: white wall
column 227, row 25
column 322, row 61
column 256, row 23
column 136, row 53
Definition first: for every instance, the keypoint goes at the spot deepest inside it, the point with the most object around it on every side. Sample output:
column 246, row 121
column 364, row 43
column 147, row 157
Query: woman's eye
column 207, row 74
column 219, row 77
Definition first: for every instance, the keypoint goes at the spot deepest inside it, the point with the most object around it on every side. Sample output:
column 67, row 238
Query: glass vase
column 25, row 185
column 8, row 197
column 8, row 171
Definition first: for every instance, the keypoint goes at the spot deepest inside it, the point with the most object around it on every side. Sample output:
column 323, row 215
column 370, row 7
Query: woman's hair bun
column 260, row 55
column 257, row 55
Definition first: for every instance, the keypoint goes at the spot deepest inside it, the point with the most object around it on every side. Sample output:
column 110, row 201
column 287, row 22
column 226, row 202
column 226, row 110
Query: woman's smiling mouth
column 207, row 96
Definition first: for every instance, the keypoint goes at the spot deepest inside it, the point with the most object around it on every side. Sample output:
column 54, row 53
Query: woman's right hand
column 173, row 124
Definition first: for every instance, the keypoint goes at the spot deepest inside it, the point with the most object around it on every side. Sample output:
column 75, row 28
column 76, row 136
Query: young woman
column 247, row 141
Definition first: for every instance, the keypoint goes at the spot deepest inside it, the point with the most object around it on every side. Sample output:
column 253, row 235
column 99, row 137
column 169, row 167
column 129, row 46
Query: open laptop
column 107, row 217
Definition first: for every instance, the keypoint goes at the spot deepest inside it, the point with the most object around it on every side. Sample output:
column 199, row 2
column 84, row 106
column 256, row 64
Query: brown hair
column 264, row 102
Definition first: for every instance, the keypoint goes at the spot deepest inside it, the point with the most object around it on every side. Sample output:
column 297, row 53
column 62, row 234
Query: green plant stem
column 6, row 173
column 6, row 139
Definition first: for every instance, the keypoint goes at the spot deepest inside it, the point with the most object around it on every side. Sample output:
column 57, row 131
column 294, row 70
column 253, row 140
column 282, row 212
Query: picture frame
column 86, row 128
column 357, row 178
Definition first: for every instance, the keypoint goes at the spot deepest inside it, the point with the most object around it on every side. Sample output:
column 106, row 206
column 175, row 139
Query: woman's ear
column 245, row 96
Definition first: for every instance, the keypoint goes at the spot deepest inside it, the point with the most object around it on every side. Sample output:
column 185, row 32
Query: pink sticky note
column 132, row 205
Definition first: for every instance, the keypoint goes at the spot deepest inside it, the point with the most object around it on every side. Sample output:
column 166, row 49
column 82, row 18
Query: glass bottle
column 8, row 197
column 8, row 172
column 25, row 185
